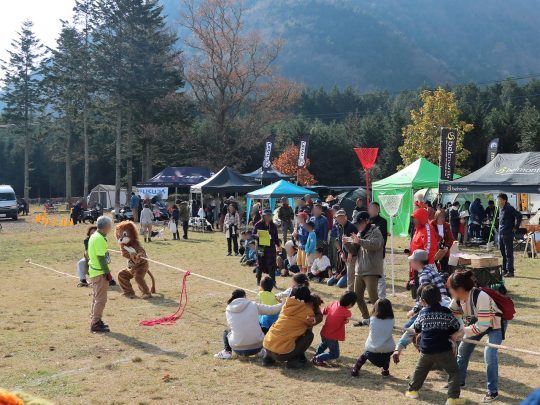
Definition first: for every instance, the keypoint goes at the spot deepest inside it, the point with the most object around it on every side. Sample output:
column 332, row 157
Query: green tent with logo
column 418, row 175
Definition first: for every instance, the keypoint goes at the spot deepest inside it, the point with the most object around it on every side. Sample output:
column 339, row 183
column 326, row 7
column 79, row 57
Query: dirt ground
column 46, row 348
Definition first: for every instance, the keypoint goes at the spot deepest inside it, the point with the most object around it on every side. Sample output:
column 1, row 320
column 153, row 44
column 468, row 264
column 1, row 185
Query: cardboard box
column 479, row 262
column 459, row 259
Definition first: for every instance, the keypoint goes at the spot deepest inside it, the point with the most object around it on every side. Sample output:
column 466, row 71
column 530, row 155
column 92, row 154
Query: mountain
column 398, row 44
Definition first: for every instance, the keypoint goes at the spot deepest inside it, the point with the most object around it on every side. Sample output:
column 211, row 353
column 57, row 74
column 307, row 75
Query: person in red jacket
column 424, row 237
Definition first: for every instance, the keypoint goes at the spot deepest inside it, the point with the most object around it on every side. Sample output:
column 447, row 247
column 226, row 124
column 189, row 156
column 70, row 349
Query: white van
column 8, row 203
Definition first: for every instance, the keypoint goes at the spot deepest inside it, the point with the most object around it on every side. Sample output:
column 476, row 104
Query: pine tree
column 63, row 82
column 21, row 90
column 528, row 123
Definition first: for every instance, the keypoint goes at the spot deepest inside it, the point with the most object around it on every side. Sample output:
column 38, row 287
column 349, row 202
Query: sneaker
column 112, row 283
column 103, row 325
column 318, row 363
column 385, row 373
column 229, row 254
column 363, row 322
column 355, row 371
column 268, row 361
column 455, row 401
column 223, row 355
column 236, row 254
column 509, row 275
column 412, row 394
column 490, row 397
column 262, row 353
column 83, row 283
column 99, row 327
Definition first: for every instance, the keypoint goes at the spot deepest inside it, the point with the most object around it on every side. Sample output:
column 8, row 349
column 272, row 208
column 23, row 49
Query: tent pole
column 493, row 224
column 392, row 256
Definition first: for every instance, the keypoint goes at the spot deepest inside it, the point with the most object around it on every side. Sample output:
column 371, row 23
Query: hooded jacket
column 370, row 259
column 184, row 211
column 295, row 319
column 243, row 320
column 425, row 236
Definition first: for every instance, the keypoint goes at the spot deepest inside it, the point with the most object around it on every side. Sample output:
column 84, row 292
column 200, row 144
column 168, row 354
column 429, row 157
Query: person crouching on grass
column 380, row 343
column 438, row 328
column 99, row 273
column 333, row 331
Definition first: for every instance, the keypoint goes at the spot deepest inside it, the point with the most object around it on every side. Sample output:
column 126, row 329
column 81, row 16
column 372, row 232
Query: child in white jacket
column 244, row 336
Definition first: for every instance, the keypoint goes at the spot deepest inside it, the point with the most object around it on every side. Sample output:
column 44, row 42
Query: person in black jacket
column 509, row 221
column 454, row 219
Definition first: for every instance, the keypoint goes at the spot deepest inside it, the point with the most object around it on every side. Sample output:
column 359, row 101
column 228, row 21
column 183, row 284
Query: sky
column 45, row 14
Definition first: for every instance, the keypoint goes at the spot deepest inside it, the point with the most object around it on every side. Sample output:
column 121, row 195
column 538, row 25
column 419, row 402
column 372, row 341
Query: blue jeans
column 341, row 283
column 333, row 350
column 491, row 359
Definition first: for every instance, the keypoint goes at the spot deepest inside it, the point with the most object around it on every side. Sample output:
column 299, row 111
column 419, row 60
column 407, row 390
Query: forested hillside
column 395, row 45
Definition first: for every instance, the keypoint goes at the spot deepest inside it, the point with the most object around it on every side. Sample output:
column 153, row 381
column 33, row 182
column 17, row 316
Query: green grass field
column 46, row 348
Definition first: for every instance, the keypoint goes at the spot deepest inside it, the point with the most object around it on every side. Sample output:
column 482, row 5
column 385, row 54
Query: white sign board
column 152, row 192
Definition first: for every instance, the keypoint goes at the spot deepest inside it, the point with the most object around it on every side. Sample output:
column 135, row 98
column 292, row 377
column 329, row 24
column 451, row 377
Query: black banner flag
column 268, row 146
column 492, row 150
column 447, row 160
column 302, row 150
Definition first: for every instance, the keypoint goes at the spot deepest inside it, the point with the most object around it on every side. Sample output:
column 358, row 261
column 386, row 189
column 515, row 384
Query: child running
column 380, row 343
column 333, row 331
column 436, row 325
column 267, row 297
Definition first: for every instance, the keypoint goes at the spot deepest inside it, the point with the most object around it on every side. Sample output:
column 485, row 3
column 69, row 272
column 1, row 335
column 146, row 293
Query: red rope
column 171, row 319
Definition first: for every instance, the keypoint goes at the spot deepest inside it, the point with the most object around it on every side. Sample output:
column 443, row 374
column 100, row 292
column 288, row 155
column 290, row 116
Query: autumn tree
column 287, row 163
column 231, row 75
column 422, row 135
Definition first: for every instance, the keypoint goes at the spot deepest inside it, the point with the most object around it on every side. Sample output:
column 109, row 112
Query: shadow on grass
column 148, row 348
column 476, row 383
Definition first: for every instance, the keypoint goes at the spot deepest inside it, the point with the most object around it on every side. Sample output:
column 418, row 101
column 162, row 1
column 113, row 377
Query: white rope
column 190, row 272
column 396, row 328
column 48, row 268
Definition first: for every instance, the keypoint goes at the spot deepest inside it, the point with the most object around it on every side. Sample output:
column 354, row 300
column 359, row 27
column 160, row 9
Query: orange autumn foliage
column 7, row 398
column 287, row 163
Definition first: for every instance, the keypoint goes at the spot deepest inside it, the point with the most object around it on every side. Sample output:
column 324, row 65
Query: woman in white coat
column 244, row 336
column 146, row 219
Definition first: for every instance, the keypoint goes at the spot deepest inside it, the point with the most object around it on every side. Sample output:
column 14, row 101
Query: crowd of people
column 329, row 246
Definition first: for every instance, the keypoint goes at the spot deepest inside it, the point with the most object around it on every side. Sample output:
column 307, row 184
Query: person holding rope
column 482, row 317
column 99, row 273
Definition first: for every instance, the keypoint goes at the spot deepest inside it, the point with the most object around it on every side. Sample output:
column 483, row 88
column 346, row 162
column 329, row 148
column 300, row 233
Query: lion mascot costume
column 128, row 239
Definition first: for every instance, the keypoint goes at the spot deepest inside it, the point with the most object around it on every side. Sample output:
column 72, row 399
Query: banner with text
column 447, row 159
column 268, row 146
column 302, row 150
column 492, row 149
column 161, row 192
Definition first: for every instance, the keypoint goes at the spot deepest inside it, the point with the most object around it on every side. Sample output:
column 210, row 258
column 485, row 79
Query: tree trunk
column 68, row 164
column 118, row 159
column 129, row 168
column 26, row 163
column 148, row 159
column 86, row 152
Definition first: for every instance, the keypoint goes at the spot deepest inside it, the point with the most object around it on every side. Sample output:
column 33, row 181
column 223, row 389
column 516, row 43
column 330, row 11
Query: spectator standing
column 184, row 217
column 509, row 222
column 147, row 217
column 446, row 239
column 321, row 226
column 374, row 211
column 349, row 255
column 359, row 207
column 230, row 226
column 134, row 206
column 286, row 216
column 454, row 219
column 369, row 264
column 267, row 260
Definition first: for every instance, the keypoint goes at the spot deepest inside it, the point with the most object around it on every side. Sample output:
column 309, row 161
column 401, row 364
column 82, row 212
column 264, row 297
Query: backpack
column 504, row 303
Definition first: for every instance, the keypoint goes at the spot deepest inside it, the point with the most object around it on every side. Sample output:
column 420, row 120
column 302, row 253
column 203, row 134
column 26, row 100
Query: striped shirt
column 479, row 317
column 430, row 275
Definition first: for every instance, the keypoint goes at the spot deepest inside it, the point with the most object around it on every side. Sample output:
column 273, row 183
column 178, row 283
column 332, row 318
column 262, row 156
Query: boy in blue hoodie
column 311, row 243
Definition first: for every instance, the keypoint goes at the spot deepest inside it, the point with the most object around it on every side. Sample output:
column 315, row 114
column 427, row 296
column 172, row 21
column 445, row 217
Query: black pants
column 185, row 226
column 176, row 235
column 226, row 344
column 232, row 240
column 300, row 347
column 444, row 264
column 506, row 244
column 377, row 359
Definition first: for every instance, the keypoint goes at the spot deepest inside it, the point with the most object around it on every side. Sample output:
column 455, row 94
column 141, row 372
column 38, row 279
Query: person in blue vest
column 134, row 206
column 509, row 222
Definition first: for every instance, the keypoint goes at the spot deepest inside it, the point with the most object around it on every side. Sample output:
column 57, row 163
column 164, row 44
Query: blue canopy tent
column 275, row 191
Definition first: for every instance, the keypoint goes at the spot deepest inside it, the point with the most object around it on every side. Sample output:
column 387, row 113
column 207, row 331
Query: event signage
column 447, row 159
column 492, row 149
column 161, row 192
column 302, row 150
column 268, row 146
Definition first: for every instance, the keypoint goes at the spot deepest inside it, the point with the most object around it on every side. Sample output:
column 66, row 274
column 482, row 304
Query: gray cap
column 419, row 255
column 341, row 213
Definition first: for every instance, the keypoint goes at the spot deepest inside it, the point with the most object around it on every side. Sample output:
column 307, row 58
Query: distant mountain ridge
column 395, row 44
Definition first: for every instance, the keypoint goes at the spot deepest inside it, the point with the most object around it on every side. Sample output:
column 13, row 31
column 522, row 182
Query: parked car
column 8, row 203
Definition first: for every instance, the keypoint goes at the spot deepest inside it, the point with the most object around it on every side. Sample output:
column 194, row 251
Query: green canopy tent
column 418, row 175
